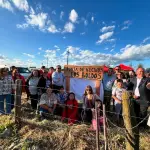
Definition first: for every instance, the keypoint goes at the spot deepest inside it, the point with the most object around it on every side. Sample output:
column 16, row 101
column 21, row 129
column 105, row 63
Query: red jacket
column 70, row 111
column 23, row 81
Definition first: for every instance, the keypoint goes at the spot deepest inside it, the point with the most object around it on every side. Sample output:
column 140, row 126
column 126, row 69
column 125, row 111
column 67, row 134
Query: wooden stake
column 97, row 127
column 132, row 134
column 18, row 102
column 104, row 125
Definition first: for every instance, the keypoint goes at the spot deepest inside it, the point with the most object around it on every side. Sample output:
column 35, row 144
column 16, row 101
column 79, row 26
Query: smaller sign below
column 86, row 72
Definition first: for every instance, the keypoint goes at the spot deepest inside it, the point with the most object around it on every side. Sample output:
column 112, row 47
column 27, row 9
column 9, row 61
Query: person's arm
column 75, row 109
column 44, row 106
column 43, row 103
column 84, row 103
column 116, row 99
column 148, row 84
column 114, row 96
column 55, row 103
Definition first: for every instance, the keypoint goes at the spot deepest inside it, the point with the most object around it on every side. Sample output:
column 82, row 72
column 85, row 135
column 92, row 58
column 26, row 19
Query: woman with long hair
column 44, row 82
column 6, row 87
column 89, row 99
column 32, row 83
column 71, row 109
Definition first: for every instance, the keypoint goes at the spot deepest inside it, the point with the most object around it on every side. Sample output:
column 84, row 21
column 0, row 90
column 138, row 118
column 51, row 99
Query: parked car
column 24, row 71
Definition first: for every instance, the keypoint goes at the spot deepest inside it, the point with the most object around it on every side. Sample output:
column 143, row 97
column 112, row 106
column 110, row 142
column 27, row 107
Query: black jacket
column 43, row 84
column 144, row 92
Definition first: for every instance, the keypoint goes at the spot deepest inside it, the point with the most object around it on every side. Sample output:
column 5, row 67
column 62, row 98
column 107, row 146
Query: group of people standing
column 137, row 83
column 46, row 91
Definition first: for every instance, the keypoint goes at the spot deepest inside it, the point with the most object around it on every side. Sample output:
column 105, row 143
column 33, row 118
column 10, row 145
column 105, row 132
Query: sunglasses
column 58, row 68
column 117, row 69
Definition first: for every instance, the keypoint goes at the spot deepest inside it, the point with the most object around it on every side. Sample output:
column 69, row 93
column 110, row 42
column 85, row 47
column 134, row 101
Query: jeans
column 8, row 103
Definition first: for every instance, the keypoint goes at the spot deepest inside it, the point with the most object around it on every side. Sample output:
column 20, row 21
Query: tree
column 140, row 65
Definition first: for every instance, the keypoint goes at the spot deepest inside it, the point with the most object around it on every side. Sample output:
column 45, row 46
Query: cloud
column 83, row 33
column 64, row 37
column 104, row 37
column 84, row 21
column 22, row 26
column 21, row 5
column 50, row 54
column 106, row 48
column 69, row 27
column 40, row 48
column 125, row 28
column 29, row 55
column 146, row 39
column 52, row 28
column 57, row 47
column 6, row 4
column 107, row 28
column 61, row 15
column 111, row 40
column 92, row 19
column 126, row 24
column 72, row 50
column 73, row 16
column 134, row 52
column 38, row 20
column 112, row 50
column 54, row 12
column 130, row 53
column 2, row 57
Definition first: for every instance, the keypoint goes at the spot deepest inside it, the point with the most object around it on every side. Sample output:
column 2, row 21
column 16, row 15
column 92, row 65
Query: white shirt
column 118, row 93
column 136, row 92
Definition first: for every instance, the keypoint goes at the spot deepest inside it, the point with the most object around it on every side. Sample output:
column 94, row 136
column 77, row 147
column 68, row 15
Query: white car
column 24, row 71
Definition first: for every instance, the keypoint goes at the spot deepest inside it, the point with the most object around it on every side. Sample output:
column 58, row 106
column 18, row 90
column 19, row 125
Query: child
column 100, row 115
column 71, row 109
column 117, row 96
column 62, row 97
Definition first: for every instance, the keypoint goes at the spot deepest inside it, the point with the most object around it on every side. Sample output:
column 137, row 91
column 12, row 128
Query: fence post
column 104, row 125
column 97, row 128
column 132, row 132
column 18, row 102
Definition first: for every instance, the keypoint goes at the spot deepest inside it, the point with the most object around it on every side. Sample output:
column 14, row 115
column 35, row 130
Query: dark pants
column 34, row 101
column 107, row 99
column 140, row 110
column 12, row 101
column 88, row 116
column 56, row 88
column 59, row 110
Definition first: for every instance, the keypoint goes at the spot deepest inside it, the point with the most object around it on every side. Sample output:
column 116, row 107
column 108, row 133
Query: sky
column 92, row 32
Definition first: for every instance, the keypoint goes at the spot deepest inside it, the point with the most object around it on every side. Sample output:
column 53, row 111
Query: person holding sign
column 89, row 99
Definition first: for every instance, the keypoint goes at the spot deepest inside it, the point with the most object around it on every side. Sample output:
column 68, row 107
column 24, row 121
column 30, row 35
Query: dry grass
column 55, row 135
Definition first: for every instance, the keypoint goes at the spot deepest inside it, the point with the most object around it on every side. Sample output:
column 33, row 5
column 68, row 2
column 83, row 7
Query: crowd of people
column 45, row 90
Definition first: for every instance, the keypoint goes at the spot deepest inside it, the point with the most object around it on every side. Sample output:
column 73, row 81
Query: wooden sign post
column 84, row 72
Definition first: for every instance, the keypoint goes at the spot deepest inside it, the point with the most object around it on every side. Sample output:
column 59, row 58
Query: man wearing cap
column 57, row 79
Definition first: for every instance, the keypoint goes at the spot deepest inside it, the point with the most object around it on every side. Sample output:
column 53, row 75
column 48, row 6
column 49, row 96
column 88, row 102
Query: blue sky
column 95, row 32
